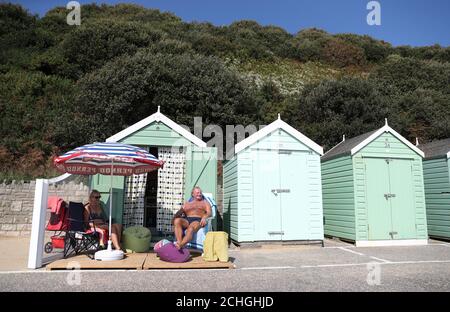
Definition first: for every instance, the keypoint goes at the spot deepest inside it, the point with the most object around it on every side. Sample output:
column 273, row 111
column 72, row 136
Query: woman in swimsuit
column 96, row 218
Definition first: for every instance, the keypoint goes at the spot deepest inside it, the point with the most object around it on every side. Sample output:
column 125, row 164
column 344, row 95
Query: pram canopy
column 58, row 214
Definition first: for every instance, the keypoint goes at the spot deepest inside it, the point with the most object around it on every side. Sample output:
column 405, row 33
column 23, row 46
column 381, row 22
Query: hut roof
column 436, row 148
column 158, row 117
column 353, row 145
column 278, row 124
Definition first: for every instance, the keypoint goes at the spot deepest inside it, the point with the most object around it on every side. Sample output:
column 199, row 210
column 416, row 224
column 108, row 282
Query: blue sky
column 403, row 22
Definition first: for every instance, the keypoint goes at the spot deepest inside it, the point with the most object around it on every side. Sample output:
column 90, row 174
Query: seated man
column 192, row 216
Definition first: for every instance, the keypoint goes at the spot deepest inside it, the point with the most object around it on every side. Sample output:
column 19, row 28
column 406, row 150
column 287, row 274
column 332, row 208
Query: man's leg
column 179, row 225
column 193, row 228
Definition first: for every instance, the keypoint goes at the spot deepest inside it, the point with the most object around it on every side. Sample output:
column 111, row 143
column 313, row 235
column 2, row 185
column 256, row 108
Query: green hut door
column 201, row 170
column 390, row 199
column 379, row 222
column 402, row 204
column 102, row 183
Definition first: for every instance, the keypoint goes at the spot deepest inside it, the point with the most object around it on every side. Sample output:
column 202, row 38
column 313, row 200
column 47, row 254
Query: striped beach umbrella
column 108, row 158
column 102, row 158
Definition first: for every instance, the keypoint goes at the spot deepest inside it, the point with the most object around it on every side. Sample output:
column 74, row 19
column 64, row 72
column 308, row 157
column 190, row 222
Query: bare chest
column 195, row 206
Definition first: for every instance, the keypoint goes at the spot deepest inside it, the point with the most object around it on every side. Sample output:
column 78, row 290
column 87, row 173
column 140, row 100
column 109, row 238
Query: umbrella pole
column 110, row 254
column 110, row 207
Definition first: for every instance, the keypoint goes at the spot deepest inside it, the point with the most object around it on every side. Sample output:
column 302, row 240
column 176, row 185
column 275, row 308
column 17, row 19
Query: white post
column 38, row 226
column 110, row 207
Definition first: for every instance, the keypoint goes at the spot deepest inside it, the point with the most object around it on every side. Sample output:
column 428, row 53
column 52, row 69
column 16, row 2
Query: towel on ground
column 215, row 247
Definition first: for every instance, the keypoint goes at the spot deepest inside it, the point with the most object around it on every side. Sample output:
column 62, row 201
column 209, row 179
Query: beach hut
column 151, row 200
column 436, row 175
column 373, row 191
column 272, row 189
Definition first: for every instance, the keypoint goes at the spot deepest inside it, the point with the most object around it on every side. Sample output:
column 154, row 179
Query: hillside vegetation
column 63, row 86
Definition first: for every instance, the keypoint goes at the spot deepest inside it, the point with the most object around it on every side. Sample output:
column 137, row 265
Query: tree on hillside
column 130, row 89
column 62, row 86
column 309, row 44
column 409, row 74
column 341, row 54
column 435, row 52
column 93, row 44
column 374, row 50
column 33, row 107
column 423, row 114
column 327, row 110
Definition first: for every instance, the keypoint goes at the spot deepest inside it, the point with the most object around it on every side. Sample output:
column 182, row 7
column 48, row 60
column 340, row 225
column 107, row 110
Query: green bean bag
column 136, row 239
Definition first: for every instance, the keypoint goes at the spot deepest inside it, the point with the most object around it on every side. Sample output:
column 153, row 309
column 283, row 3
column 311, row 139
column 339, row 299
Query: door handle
column 389, row 195
column 392, row 234
column 277, row 191
column 275, row 232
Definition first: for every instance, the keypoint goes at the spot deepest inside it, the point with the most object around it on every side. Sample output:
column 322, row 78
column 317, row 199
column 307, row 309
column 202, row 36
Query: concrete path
column 336, row 267
column 13, row 253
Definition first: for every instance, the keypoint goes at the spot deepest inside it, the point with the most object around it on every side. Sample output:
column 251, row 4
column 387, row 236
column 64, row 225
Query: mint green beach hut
column 272, row 189
column 436, row 174
column 373, row 190
column 151, row 200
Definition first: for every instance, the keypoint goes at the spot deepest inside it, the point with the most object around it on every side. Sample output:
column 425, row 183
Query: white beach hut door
column 293, row 195
column 170, row 187
column 266, row 182
column 134, row 200
column 280, row 195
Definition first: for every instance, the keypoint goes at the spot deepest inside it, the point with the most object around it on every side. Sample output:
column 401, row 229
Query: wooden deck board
column 197, row 262
column 131, row 261
column 136, row 261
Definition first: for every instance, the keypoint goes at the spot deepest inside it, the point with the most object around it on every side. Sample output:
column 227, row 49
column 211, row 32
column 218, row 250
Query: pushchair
column 57, row 223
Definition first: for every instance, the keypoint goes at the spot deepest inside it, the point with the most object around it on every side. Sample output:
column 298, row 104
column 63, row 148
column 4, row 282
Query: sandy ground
column 14, row 253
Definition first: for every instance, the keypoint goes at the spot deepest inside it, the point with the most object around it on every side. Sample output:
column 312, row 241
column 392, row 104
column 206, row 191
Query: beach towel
column 215, row 247
column 161, row 243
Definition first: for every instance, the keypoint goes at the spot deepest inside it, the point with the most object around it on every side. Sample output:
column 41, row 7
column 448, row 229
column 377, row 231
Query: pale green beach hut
column 373, row 190
column 436, row 174
column 272, row 189
column 150, row 200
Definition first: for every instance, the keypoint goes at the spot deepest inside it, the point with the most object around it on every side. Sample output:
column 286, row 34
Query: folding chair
column 78, row 239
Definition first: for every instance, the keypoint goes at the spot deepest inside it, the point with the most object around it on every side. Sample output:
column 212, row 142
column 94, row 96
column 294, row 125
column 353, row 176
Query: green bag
column 136, row 238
